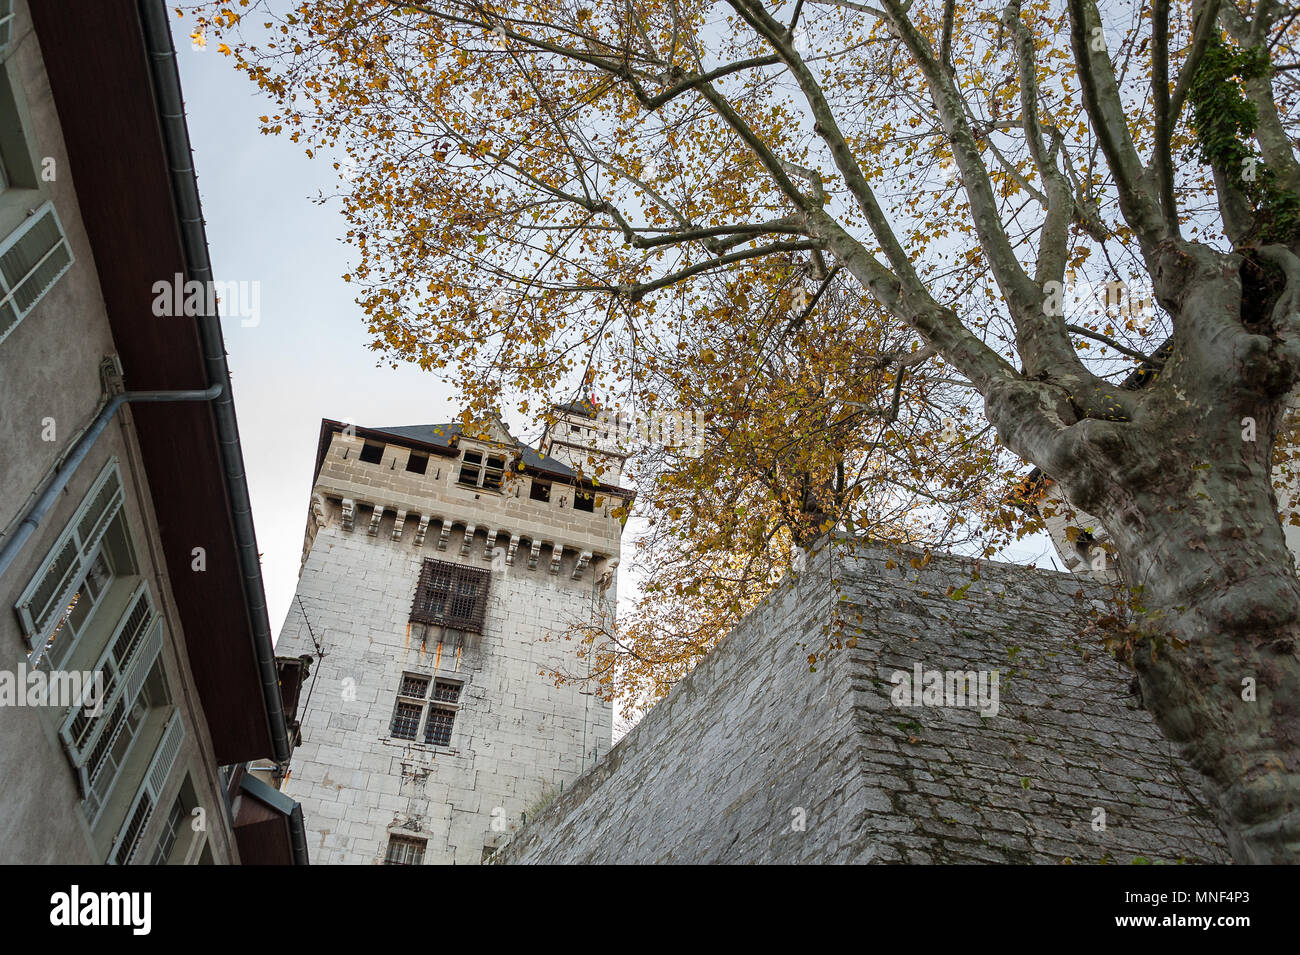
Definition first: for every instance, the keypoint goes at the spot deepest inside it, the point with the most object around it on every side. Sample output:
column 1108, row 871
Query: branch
column 641, row 290
column 1106, row 110
column 1105, row 340
column 1206, row 22
column 1161, row 159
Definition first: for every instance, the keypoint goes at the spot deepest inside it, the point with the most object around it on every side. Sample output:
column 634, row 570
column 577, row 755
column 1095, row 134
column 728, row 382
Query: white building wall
column 517, row 737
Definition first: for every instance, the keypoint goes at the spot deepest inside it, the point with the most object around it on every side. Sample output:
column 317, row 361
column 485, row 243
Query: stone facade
column 756, row 758
column 516, row 737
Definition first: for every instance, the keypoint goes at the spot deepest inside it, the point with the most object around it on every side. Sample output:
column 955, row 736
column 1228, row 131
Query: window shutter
column 160, row 768
column 50, row 590
column 32, row 259
column 6, row 26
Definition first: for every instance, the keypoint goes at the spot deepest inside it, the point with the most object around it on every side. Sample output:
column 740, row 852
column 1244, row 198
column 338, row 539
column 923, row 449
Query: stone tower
column 441, row 573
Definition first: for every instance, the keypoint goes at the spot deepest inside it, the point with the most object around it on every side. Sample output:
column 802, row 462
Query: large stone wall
column 755, row 758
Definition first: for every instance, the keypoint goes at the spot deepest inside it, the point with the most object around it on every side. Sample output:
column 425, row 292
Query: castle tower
column 440, row 575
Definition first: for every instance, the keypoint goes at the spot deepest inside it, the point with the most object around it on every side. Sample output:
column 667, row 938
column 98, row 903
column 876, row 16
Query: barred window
column 415, row 686
column 404, row 851
column 438, row 730
column 451, row 595
column 406, row 720
column 445, row 692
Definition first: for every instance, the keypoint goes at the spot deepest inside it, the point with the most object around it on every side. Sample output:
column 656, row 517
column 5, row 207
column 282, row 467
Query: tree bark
column 1185, row 491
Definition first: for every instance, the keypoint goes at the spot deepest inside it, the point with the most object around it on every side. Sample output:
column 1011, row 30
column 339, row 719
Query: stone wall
column 516, row 737
column 755, row 757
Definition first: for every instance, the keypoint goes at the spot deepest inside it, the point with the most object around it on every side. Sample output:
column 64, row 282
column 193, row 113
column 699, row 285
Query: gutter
column 194, row 240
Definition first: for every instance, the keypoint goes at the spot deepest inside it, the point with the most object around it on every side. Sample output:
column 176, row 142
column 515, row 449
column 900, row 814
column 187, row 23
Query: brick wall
column 755, row 758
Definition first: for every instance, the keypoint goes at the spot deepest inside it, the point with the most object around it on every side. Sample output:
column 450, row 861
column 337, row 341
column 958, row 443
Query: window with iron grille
column 406, row 720
column 446, row 692
column 404, row 851
column 451, row 595
column 414, row 686
column 438, row 730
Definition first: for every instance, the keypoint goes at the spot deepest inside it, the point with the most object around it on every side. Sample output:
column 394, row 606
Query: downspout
column 298, row 836
column 171, row 118
column 37, row 511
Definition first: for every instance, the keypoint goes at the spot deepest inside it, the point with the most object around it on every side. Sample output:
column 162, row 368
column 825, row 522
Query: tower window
column 540, row 491
column 584, row 501
column 412, row 696
column 477, row 472
column 469, row 469
column 417, row 463
column 438, row 730
column 406, row 720
column 372, row 453
column 445, row 691
column 404, row 851
column 451, row 595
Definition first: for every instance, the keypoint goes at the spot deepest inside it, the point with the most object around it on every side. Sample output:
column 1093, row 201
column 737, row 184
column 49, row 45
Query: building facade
column 444, row 579
column 136, row 679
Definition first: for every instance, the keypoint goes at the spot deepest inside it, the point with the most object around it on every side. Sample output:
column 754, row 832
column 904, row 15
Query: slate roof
column 442, row 436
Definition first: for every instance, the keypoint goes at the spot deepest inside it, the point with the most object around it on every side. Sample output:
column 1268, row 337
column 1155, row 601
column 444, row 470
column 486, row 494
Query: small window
column 406, row 720
column 372, row 453
column 404, row 851
column 414, row 686
column 574, row 429
column 417, row 463
column 445, row 691
column 540, row 491
column 493, row 472
column 584, row 501
column 469, row 469
column 438, row 730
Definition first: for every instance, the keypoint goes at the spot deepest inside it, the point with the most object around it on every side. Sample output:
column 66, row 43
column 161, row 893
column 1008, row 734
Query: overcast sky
column 307, row 357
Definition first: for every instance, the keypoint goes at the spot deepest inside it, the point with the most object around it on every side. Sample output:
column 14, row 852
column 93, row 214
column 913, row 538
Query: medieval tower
column 442, row 574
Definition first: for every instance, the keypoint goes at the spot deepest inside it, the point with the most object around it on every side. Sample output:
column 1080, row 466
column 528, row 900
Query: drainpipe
column 185, row 190
column 37, row 511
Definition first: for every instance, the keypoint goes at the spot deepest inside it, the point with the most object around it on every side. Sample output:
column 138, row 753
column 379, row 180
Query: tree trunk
column 1215, row 573
column 1185, row 491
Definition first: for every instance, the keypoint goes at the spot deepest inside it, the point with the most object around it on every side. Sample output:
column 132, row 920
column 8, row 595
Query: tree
column 623, row 180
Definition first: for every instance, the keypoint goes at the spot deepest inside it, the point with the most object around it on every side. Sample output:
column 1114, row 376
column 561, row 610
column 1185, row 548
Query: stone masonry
column 755, row 758
column 516, row 737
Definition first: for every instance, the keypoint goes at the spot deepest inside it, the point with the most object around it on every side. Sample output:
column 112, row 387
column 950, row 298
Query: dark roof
column 446, row 435
column 584, row 407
